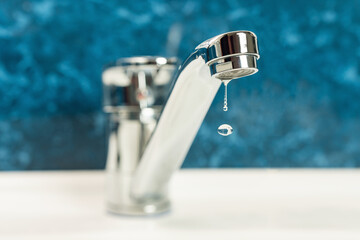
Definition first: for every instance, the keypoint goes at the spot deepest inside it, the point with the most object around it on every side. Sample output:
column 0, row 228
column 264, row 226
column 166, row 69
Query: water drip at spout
column 225, row 108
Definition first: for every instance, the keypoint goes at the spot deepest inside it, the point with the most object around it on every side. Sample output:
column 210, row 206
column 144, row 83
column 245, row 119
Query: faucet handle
column 137, row 82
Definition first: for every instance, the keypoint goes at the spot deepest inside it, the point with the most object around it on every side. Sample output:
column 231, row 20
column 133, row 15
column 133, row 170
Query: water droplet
column 225, row 108
column 225, row 130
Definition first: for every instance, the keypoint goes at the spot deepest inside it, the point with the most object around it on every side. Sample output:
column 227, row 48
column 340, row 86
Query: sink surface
column 207, row 204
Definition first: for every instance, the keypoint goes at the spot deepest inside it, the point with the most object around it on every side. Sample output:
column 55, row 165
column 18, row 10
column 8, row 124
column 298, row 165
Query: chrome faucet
column 146, row 147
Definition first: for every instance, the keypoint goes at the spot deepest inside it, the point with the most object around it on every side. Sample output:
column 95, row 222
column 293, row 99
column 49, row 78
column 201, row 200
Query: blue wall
column 301, row 110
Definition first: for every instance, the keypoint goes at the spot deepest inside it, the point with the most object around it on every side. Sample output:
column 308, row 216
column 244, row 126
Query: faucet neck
column 185, row 109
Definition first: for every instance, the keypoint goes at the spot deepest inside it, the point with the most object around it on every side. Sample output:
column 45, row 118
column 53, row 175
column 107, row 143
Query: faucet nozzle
column 232, row 55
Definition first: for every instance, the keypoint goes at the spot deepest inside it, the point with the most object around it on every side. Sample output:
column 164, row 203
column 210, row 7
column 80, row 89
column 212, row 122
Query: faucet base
column 119, row 199
column 140, row 209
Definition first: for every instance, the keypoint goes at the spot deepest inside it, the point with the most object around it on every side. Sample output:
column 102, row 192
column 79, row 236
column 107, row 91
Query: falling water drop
column 225, row 108
column 225, row 130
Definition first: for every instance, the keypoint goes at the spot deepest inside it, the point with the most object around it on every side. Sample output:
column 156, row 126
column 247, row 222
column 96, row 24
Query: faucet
column 151, row 134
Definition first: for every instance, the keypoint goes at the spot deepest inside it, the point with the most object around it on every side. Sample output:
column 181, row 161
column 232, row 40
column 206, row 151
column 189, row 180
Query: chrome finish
column 224, row 57
column 232, row 43
column 231, row 55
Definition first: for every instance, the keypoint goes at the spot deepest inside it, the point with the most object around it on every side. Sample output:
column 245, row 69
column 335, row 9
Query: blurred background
column 301, row 110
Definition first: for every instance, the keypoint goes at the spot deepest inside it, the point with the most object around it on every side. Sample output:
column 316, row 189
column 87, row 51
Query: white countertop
column 207, row 204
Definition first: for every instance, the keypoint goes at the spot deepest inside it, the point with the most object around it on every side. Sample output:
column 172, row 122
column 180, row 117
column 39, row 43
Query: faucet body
column 222, row 58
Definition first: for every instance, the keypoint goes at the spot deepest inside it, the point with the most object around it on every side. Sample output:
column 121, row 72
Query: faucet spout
column 222, row 58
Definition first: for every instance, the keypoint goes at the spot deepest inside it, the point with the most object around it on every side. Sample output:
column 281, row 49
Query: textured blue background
column 301, row 110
